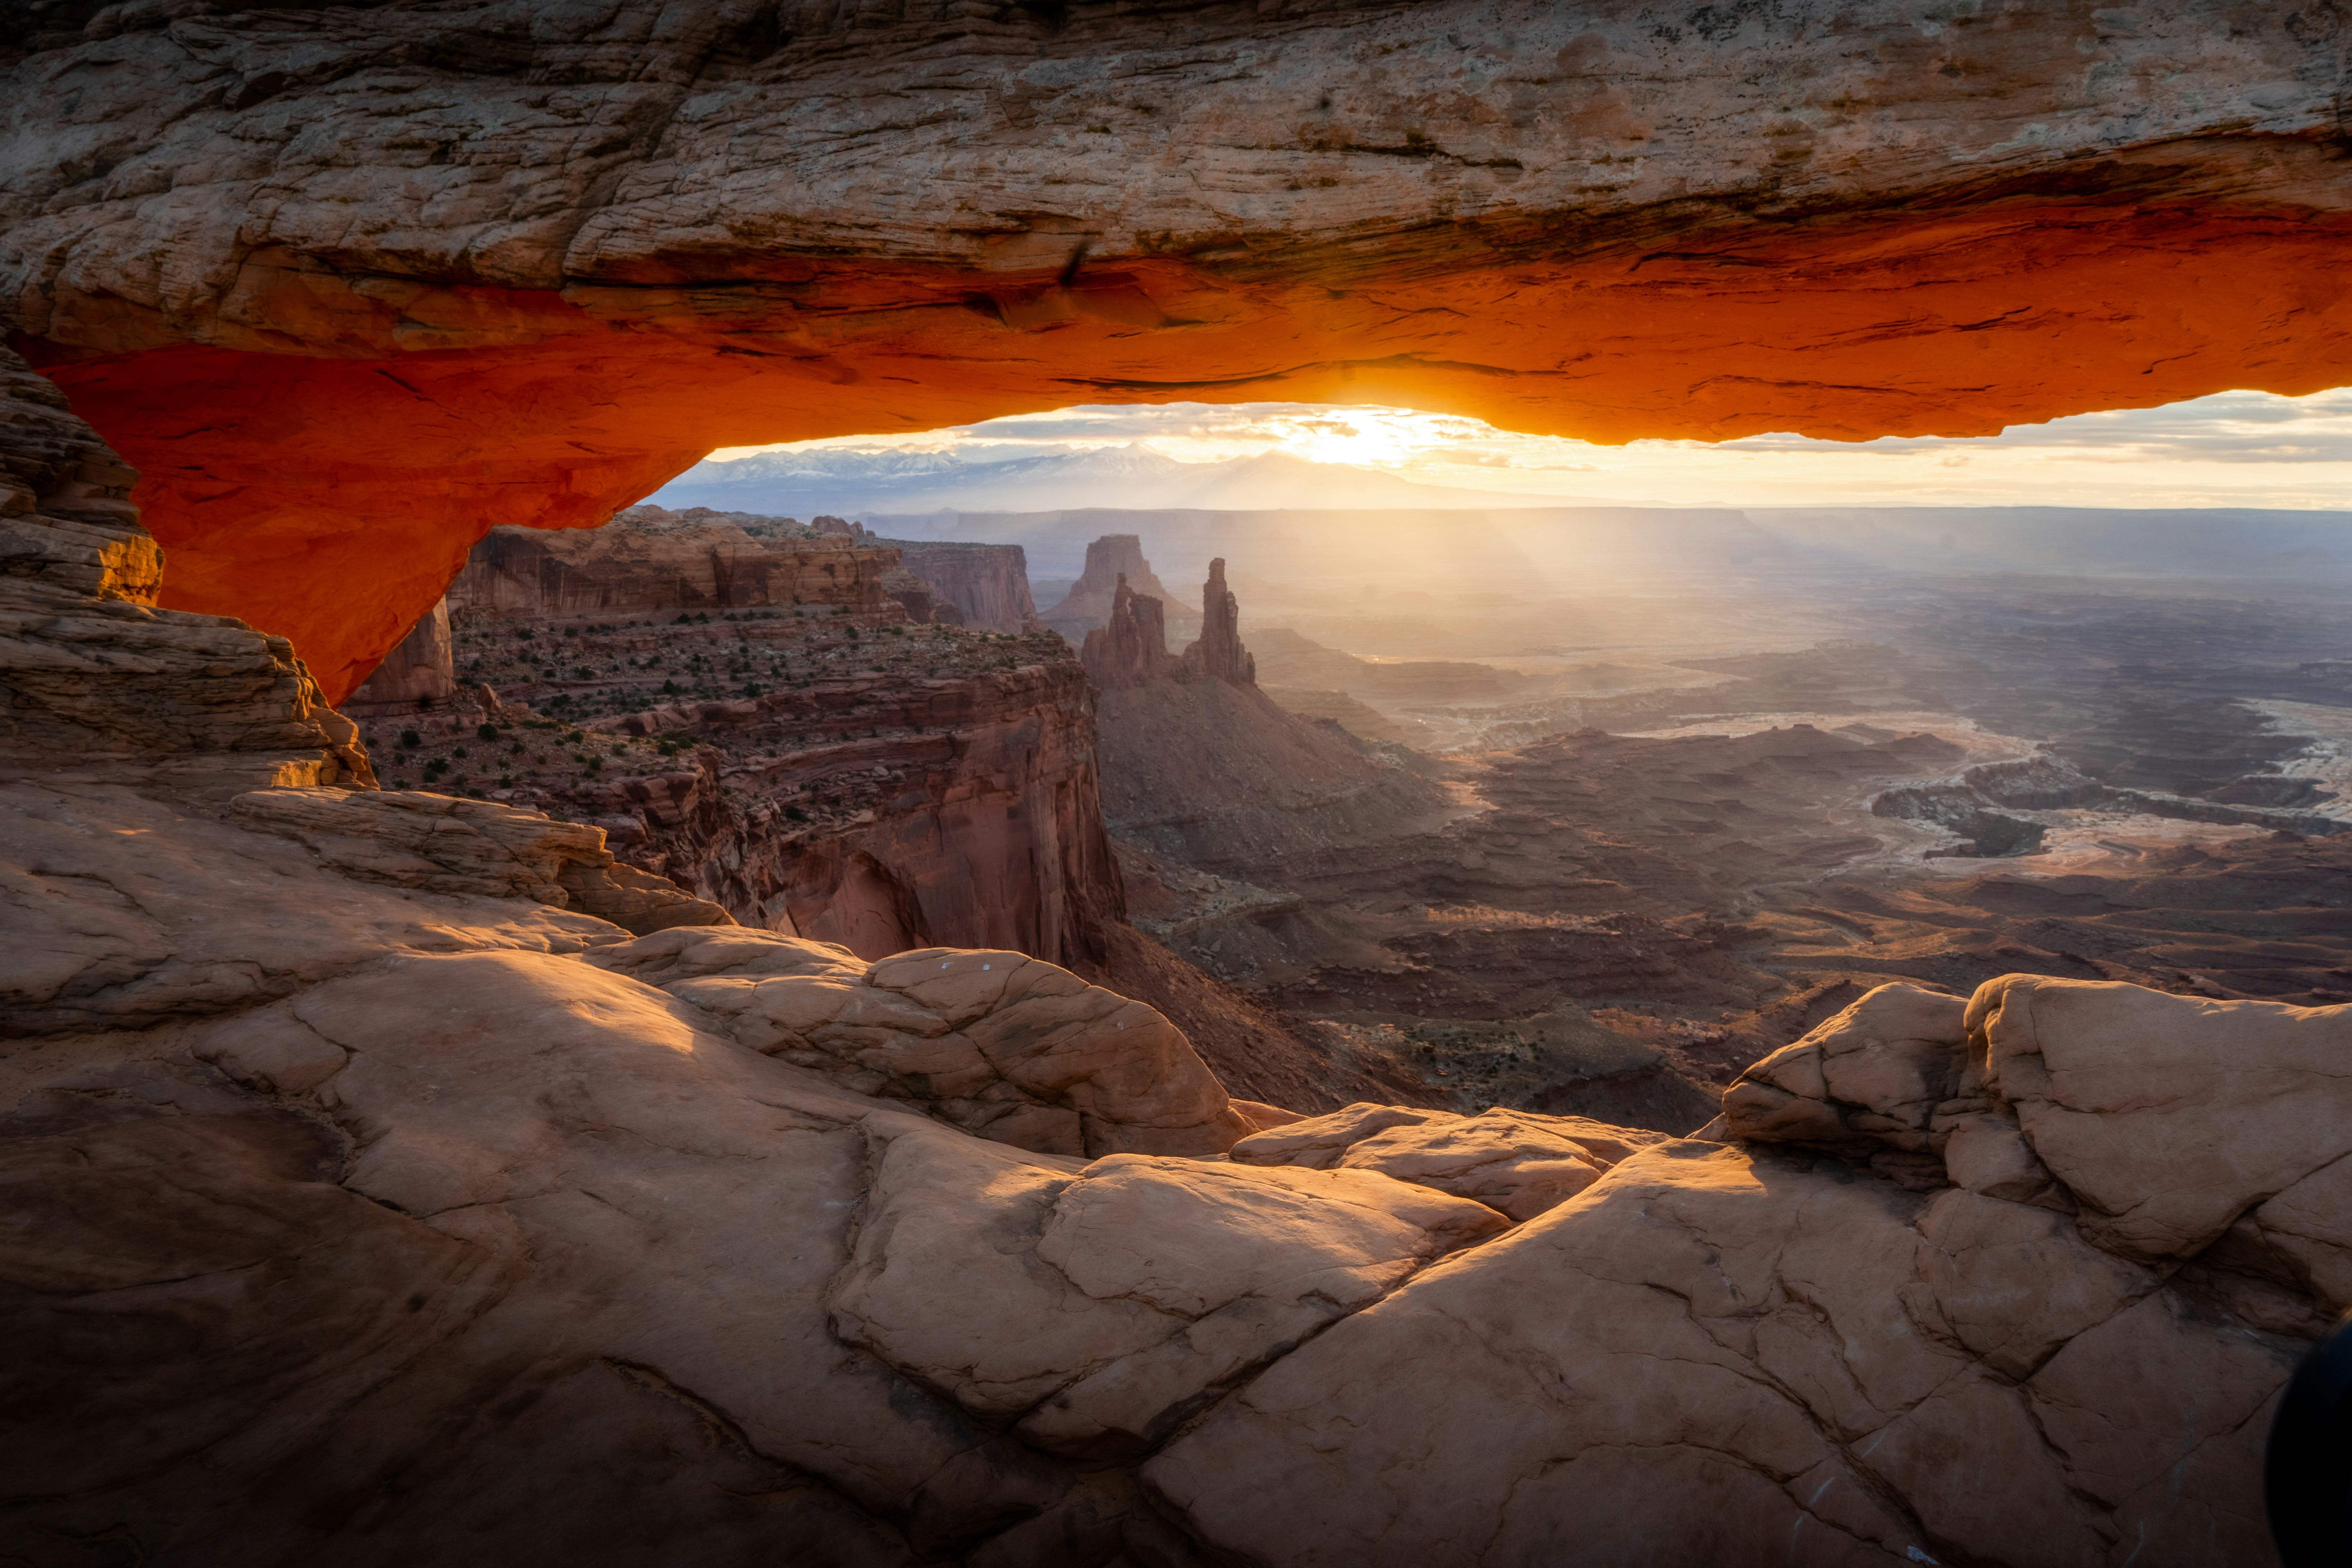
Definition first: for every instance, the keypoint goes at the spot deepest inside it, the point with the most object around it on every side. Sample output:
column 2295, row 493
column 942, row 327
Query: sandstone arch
column 351, row 286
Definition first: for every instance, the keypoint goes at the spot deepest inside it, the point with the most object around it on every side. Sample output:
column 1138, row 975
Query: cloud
column 2242, row 448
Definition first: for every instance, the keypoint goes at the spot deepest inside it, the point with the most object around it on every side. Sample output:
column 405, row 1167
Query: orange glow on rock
column 329, row 492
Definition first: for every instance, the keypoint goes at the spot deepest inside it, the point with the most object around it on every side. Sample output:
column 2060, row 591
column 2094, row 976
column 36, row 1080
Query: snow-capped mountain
column 850, row 482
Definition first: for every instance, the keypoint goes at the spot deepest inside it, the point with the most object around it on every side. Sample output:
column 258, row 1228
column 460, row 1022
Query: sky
column 2232, row 449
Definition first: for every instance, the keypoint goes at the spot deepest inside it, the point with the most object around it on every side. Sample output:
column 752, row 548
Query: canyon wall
column 664, row 560
column 960, row 813
column 799, row 751
column 988, row 584
column 417, row 674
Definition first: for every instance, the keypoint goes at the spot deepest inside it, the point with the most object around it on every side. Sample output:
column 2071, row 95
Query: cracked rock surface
column 478, row 1226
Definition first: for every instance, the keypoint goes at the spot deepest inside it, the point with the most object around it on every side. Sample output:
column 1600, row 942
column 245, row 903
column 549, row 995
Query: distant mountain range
column 849, row 482
column 1281, row 516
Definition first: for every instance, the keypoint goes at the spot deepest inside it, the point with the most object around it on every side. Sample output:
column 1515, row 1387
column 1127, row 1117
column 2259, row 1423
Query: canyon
column 381, row 1197
column 726, row 1048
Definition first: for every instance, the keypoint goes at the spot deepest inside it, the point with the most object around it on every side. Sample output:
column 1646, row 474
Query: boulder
column 1000, row 1044
column 1516, row 1162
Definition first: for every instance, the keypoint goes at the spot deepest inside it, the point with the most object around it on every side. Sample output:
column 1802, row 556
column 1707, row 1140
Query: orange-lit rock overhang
column 266, row 475
column 1847, row 221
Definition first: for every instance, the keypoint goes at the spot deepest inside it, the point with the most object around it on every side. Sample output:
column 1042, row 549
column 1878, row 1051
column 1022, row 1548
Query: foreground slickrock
column 458, row 1228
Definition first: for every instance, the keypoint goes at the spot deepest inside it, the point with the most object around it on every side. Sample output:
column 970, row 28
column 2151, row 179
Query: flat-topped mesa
column 649, row 559
column 842, row 761
column 1112, row 560
column 988, row 585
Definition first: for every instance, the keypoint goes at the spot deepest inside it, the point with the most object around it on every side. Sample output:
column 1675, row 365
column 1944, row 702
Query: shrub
column 793, row 813
column 486, row 732
column 410, row 738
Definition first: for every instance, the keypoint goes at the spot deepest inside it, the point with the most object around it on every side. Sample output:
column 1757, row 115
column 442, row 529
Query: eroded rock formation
column 94, row 675
column 818, row 766
column 1202, row 767
column 1130, row 647
column 479, row 1225
column 408, row 294
column 374, row 1194
column 656, row 559
column 988, row 584
column 421, row 672
column 1113, row 561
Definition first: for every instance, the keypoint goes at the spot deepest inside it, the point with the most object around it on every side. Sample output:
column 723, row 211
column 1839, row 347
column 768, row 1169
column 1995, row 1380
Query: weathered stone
column 91, row 673
column 1869, row 1079
column 997, row 1043
column 1518, row 1162
column 2165, row 1116
column 448, row 844
column 418, row 673
column 407, row 292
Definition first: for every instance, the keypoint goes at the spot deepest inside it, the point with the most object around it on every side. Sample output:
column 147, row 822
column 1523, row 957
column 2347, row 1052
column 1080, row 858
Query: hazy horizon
column 2230, row 449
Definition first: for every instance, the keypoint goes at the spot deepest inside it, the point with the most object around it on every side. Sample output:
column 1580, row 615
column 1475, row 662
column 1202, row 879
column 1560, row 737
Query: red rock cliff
column 988, row 584
column 886, row 814
column 1111, row 560
column 822, row 768
column 653, row 560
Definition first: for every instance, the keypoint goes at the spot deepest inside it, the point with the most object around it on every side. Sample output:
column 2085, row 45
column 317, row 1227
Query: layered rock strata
column 95, row 678
column 988, row 584
column 1113, row 561
column 419, row 674
column 409, row 295
column 654, row 559
column 823, row 768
